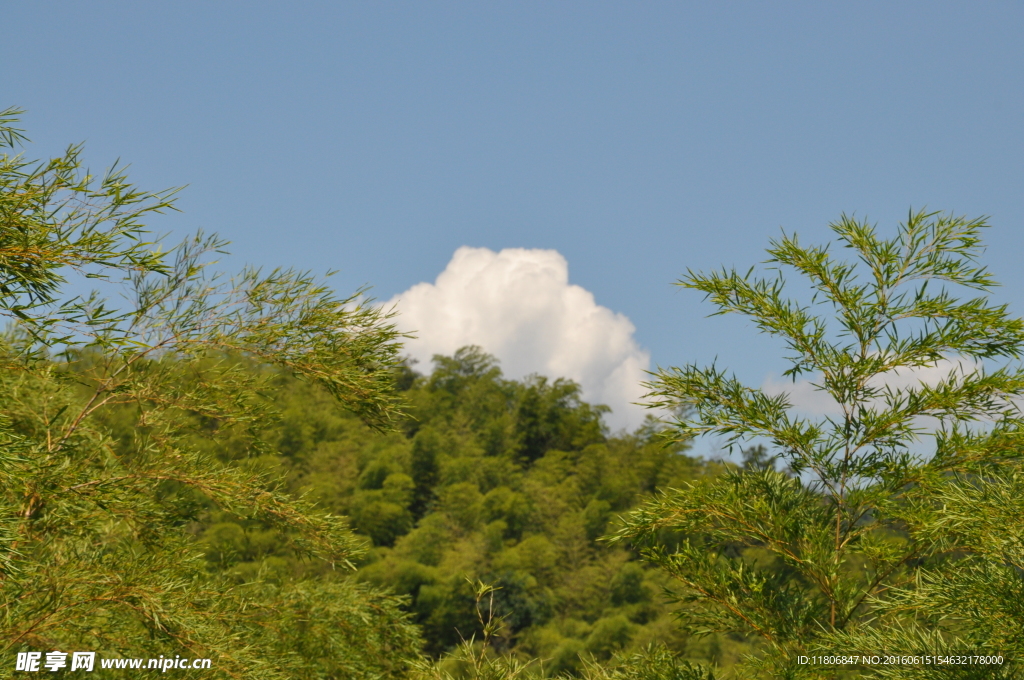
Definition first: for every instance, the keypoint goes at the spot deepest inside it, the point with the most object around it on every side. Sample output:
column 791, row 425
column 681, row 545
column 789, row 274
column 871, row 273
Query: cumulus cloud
column 805, row 397
column 519, row 306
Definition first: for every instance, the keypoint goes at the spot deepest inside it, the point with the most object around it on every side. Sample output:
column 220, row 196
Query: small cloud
column 808, row 399
column 518, row 305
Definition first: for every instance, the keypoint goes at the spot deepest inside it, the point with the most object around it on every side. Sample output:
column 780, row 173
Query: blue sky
column 636, row 139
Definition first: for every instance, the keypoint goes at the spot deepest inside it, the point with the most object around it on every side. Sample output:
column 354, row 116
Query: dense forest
column 509, row 483
column 506, row 482
column 244, row 470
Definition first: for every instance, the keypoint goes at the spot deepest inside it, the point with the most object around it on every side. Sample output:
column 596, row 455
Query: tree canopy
column 871, row 539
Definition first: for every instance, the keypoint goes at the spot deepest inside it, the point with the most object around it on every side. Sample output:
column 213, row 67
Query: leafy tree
column 109, row 415
column 877, row 544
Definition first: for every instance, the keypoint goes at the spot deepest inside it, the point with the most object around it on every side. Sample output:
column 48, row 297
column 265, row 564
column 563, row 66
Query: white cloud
column 805, row 397
column 519, row 306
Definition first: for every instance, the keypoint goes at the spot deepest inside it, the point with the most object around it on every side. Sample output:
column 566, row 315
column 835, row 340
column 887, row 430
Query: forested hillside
column 507, row 482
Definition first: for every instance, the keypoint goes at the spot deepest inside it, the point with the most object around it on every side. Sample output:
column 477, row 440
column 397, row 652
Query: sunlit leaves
column 96, row 550
column 869, row 513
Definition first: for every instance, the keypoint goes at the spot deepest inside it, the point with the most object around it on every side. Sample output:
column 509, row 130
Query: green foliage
column 475, row 661
column 322, row 628
column 454, row 496
column 651, row 663
column 975, row 602
column 872, row 545
column 55, row 219
column 124, row 430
